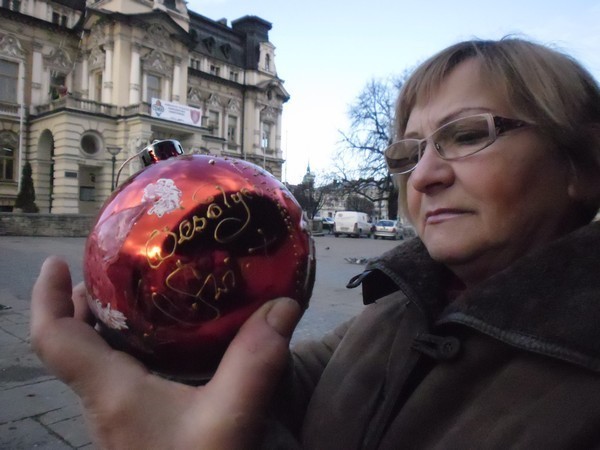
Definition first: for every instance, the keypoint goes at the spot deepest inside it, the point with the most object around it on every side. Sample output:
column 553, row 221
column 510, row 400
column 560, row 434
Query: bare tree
column 359, row 203
column 309, row 197
column 360, row 163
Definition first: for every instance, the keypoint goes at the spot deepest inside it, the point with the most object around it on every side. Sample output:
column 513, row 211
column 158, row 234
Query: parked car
column 328, row 224
column 388, row 229
column 351, row 223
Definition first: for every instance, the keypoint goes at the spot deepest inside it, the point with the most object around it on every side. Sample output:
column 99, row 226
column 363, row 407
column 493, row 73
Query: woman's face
column 479, row 214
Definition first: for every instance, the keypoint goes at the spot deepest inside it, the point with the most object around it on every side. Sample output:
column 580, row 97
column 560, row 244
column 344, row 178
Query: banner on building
column 176, row 112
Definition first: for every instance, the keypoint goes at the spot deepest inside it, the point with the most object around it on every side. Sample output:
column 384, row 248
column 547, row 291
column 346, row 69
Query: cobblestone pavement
column 38, row 411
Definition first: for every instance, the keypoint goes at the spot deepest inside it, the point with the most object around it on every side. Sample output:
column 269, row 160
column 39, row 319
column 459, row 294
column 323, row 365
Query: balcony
column 9, row 109
column 78, row 104
column 93, row 107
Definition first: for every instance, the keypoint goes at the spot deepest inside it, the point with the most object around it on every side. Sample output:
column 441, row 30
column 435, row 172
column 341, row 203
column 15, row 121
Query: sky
column 327, row 51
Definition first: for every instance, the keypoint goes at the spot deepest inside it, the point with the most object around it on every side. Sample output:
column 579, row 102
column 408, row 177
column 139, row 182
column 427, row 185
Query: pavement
column 38, row 411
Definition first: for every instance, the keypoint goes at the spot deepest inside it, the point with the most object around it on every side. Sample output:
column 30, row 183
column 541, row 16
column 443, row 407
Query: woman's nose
column 432, row 172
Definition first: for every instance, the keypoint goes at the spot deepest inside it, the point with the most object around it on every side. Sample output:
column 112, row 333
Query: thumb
column 250, row 369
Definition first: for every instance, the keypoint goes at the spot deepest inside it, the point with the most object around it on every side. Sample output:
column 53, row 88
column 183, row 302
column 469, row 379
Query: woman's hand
column 128, row 407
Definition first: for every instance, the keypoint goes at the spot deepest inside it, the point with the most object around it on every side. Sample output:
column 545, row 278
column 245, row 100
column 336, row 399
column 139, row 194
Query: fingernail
column 51, row 263
column 284, row 315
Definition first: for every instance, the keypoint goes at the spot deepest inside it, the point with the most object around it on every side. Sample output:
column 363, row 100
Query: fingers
column 82, row 310
column 51, row 296
column 254, row 362
column 69, row 348
column 112, row 384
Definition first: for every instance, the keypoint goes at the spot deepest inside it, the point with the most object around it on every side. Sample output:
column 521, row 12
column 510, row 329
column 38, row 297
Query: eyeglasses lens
column 457, row 139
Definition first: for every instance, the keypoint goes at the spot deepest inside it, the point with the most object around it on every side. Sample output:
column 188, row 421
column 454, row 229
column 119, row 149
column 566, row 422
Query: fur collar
column 547, row 302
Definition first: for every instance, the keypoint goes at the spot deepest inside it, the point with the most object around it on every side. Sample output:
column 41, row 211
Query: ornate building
column 86, row 85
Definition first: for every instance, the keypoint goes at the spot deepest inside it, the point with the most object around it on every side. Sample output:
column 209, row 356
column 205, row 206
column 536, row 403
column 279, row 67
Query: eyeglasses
column 457, row 139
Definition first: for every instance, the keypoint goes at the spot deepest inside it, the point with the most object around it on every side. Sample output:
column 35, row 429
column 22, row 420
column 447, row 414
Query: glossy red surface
column 183, row 253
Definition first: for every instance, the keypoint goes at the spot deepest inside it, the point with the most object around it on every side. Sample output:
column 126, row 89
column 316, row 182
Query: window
column 233, row 76
column 153, row 87
column 14, row 5
column 268, row 62
column 232, row 129
column 9, row 78
column 98, row 86
column 215, row 70
column 87, row 193
column 266, row 136
column 7, row 164
column 209, row 43
column 90, row 143
column 58, row 86
column 59, row 19
column 213, row 122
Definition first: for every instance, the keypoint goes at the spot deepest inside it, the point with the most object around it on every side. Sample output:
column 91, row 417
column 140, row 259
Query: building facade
column 86, row 85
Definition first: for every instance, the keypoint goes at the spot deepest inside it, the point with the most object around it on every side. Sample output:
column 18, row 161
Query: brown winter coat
column 511, row 363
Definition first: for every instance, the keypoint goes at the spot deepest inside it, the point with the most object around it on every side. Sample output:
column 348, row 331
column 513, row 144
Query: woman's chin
column 448, row 248
column 457, row 256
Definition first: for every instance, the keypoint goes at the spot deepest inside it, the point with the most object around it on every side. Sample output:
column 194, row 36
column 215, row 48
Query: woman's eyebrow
column 471, row 110
column 462, row 112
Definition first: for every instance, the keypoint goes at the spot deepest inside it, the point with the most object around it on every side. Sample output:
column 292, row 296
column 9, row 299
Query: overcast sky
column 327, row 50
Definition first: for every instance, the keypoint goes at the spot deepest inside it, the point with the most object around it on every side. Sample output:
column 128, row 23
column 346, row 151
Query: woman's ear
column 582, row 186
column 584, row 190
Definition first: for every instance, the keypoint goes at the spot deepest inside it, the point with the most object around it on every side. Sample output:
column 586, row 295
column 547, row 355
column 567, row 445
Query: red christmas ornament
column 185, row 251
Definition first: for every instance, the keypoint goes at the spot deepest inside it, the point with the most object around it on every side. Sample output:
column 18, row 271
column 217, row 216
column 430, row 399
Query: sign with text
column 176, row 112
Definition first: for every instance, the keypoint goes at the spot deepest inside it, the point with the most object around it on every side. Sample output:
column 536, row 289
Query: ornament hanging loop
column 153, row 153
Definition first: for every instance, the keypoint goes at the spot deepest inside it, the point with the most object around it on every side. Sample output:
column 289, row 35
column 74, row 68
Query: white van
column 351, row 223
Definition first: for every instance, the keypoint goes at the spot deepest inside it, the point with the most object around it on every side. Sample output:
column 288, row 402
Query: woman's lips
column 444, row 214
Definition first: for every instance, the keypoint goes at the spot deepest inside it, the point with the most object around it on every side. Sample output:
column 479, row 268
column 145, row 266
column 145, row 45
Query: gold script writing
column 162, row 244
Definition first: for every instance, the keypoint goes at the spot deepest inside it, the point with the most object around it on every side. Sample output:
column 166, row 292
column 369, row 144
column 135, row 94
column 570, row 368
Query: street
column 38, row 411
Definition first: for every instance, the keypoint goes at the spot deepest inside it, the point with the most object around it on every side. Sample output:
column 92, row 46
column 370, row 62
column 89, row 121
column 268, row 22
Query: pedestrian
column 480, row 333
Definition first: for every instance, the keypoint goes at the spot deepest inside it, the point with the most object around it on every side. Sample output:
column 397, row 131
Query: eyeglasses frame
column 496, row 124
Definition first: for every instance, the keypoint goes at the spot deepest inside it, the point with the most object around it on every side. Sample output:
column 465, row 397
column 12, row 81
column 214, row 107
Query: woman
column 482, row 333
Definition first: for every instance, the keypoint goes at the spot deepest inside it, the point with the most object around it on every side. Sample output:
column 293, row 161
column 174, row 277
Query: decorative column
column 167, row 89
column 134, row 75
column 176, row 79
column 85, row 76
column 257, row 144
column 37, row 71
column 107, row 75
column 278, row 150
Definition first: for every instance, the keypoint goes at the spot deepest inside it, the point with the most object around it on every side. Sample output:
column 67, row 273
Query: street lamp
column 114, row 151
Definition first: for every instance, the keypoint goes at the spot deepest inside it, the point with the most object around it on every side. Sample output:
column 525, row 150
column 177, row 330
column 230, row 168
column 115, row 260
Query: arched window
column 266, row 136
column 153, row 87
column 58, row 86
column 7, row 163
column 8, row 156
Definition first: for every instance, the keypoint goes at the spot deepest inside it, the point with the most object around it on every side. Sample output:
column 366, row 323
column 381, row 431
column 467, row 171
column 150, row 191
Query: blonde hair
column 544, row 86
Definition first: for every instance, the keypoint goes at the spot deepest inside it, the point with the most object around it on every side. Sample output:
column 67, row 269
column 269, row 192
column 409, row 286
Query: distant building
column 309, row 178
column 336, row 194
column 82, row 81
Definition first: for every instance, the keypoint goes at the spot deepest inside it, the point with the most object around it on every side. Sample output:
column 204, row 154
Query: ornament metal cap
column 160, row 150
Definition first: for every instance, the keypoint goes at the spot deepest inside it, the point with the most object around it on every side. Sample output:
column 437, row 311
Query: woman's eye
column 468, row 137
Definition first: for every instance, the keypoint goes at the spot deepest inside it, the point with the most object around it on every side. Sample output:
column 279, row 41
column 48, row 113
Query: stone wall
column 60, row 225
